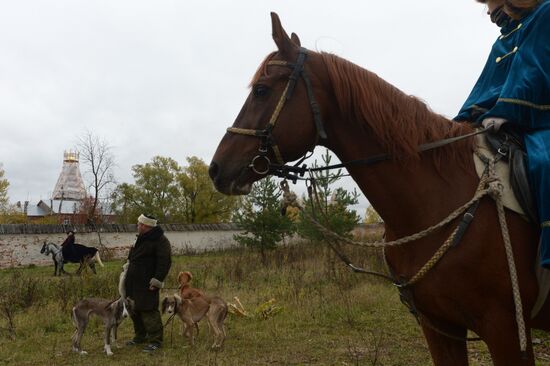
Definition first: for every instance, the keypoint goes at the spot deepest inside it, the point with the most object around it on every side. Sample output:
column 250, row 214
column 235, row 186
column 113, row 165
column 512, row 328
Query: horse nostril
column 213, row 170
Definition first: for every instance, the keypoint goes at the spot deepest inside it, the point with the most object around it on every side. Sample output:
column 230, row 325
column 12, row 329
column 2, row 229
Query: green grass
column 328, row 316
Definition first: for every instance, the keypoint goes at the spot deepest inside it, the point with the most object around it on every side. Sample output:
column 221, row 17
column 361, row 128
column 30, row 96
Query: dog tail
column 98, row 259
column 73, row 313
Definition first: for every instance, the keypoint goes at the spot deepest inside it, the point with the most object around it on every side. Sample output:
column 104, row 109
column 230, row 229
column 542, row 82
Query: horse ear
column 280, row 36
column 294, row 38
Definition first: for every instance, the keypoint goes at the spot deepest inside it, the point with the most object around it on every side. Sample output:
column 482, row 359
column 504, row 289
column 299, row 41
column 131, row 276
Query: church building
column 69, row 203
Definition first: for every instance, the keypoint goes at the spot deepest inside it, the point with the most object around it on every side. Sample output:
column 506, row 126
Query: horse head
column 43, row 249
column 275, row 124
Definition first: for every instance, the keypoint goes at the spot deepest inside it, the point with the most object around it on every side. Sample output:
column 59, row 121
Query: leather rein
column 261, row 164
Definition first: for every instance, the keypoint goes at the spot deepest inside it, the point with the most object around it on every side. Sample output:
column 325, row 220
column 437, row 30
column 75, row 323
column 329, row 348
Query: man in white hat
column 149, row 262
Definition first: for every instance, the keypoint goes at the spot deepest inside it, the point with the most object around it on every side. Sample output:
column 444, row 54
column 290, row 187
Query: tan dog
column 186, row 291
column 191, row 311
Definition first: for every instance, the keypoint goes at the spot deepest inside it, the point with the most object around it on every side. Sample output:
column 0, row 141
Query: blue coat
column 515, row 85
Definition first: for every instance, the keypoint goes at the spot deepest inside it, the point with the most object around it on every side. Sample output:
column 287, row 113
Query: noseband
column 261, row 164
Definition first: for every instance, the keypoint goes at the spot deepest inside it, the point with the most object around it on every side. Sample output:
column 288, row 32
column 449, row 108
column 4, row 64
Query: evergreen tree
column 261, row 219
column 332, row 206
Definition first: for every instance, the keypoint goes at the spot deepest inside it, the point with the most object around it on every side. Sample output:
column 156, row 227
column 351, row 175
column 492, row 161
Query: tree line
column 185, row 194
column 172, row 193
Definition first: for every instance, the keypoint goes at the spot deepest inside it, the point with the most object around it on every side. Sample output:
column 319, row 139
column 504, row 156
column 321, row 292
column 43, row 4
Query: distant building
column 69, row 203
column 70, row 186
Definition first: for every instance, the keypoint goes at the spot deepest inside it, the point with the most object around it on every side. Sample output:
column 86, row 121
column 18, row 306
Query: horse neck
column 53, row 248
column 414, row 189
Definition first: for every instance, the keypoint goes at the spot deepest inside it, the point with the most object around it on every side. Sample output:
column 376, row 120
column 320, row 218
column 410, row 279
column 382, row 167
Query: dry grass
column 325, row 315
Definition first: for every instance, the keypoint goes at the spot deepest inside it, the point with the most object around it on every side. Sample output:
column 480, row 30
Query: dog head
column 184, row 278
column 170, row 304
column 124, row 307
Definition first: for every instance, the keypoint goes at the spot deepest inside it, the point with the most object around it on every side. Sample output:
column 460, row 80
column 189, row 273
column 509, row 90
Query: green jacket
column 150, row 258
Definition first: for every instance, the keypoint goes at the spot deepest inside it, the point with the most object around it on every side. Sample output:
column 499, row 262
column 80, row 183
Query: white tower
column 70, row 185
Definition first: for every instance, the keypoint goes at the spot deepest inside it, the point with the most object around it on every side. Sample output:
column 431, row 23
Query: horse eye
column 260, row 90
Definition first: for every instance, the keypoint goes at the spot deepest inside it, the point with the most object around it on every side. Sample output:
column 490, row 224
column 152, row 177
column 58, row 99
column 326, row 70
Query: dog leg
column 114, row 331
column 188, row 331
column 80, row 324
column 215, row 330
column 107, row 347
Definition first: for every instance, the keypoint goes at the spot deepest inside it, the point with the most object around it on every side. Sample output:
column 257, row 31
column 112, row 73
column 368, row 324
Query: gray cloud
column 167, row 77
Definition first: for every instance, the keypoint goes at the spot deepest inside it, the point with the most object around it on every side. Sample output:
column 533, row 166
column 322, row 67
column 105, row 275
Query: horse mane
column 400, row 122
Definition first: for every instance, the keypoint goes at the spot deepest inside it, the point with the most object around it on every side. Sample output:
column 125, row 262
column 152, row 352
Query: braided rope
column 289, row 199
column 480, row 193
column 279, row 106
column 242, row 131
column 435, row 258
column 497, row 196
column 489, row 184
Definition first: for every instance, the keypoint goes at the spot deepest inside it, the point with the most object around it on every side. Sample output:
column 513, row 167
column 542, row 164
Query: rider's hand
column 494, row 122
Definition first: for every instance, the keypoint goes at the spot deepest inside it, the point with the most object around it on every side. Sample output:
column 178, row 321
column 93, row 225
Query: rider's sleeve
column 525, row 96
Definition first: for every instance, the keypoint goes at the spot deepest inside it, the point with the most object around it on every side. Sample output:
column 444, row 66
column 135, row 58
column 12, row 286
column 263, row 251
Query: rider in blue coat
column 514, row 88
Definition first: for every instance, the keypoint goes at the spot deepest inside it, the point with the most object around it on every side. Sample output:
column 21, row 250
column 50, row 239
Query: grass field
column 321, row 315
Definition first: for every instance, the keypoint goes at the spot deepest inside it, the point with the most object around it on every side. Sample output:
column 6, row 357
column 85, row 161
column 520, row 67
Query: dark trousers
column 147, row 326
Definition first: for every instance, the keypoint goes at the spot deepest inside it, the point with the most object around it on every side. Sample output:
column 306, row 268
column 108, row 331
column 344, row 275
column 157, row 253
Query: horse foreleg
column 79, row 270
column 500, row 332
column 60, row 268
column 446, row 351
column 91, row 264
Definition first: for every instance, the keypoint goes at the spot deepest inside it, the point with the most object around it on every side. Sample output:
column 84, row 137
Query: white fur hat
column 142, row 219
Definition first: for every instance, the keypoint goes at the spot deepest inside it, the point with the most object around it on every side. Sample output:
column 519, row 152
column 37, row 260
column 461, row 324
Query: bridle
column 261, row 164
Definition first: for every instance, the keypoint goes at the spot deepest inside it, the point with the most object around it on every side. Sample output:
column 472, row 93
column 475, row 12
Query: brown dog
column 193, row 310
column 186, row 291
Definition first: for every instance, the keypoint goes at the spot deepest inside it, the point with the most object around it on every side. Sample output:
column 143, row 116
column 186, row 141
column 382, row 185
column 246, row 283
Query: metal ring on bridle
column 258, row 171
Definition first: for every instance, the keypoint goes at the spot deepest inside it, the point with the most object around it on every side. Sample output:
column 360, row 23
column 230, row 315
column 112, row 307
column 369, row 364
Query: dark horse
column 86, row 256
column 362, row 116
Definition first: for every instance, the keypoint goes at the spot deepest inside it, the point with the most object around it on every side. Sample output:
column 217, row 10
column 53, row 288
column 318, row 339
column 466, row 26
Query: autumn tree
column 199, row 201
column 261, row 219
column 371, row 216
column 173, row 193
column 154, row 191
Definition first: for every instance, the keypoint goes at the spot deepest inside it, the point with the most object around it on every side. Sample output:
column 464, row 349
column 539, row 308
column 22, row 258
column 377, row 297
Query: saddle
column 517, row 193
column 509, row 147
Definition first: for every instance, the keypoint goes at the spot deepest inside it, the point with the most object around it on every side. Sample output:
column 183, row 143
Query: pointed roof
column 70, row 185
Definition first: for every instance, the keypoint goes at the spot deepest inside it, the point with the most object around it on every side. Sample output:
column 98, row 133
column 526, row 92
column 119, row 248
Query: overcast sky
column 167, row 77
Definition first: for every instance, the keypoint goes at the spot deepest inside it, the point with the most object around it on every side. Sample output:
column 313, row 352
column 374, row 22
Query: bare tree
column 96, row 155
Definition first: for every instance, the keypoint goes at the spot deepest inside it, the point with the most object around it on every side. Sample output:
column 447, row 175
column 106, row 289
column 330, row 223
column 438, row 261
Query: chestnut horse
column 356, row 114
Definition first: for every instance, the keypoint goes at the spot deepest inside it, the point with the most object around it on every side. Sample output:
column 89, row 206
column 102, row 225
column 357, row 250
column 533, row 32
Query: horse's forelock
column 262, row 69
